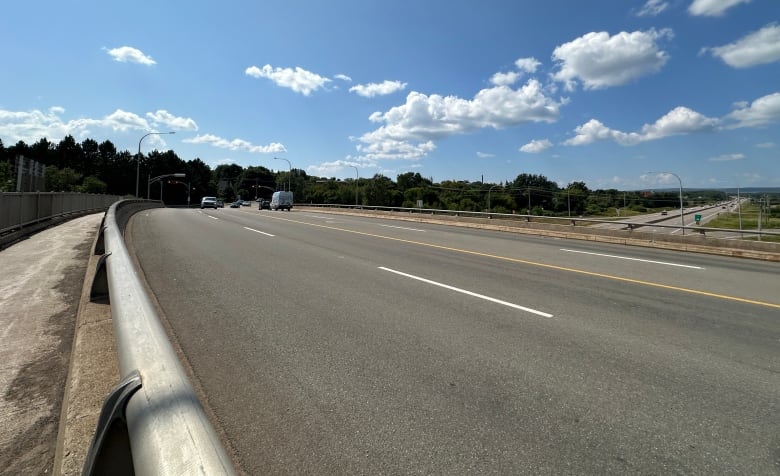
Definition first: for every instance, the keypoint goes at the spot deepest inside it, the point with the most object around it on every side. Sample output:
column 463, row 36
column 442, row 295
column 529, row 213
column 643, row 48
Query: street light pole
column 491, row 188
column 357, row 178
column 138, row 159
column 682, row 214
column 290, row 173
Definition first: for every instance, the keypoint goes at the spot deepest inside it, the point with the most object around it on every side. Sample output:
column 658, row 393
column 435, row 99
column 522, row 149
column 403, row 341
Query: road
column 329, row 344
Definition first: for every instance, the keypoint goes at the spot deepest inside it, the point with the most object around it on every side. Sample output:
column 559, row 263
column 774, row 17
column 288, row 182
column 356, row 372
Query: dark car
column 236, row 204
column 264, row 204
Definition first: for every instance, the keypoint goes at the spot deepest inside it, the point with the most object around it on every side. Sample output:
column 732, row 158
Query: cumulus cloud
column 652, row 8
column 297, row 79
column 164, row 118
column 505, row 79
column 678, row 121
column 727, row 158
column 409, row 129
column 760, row 112
column 712, row 8
column 523, row 65
column 128, row 54
column 758, row 47
column 527, row 65
column 31, row 126
column 377, row 89
column 599, row 60
column 536, row 146
column 236, row 144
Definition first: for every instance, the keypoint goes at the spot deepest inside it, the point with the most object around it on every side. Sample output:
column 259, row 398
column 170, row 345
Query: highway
column 333, row 344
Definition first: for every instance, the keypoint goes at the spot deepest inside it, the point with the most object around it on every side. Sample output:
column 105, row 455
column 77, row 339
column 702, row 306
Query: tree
column 62, row 180
column 92, row 184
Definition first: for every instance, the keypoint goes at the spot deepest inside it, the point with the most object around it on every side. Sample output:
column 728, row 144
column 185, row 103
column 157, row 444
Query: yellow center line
column 542, row 265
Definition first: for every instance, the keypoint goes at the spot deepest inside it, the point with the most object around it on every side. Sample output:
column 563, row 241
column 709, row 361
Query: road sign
column 697, row 218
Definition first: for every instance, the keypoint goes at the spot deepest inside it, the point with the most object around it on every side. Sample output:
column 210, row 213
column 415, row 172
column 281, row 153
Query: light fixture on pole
column 138, row 159
column 682, row 214
column 290, row 173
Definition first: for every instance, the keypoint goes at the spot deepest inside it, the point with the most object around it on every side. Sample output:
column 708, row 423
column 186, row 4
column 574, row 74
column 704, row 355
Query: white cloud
column 31, row 126
column 678, row 121
column 536, row 146
column 409, row 129
column 600, row 61
column 164, row 118
column 712, row 8
column 758, row 47
column 727, row 157
column 128, row 54
column 523, row 65
column 236, row 144
column 652, row 8
column 377, row 89
column 762, row 111
column 298, row 79
column 527, row 65
column 343, row 77
column 766, row 145
column 485, row 155
column 505, row 79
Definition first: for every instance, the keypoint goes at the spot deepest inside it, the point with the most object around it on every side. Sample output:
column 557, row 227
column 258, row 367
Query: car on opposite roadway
column 220, row 204
column 235, row 204
column 208, row 202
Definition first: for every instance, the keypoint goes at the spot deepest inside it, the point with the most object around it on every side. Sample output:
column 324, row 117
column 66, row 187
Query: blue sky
column 600, row 91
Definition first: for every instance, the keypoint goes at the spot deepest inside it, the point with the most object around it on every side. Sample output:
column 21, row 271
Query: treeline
column 93, row 167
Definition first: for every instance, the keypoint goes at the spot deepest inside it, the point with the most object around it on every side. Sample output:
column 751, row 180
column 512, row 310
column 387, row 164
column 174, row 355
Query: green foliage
column 62, row 180
column 92, row 184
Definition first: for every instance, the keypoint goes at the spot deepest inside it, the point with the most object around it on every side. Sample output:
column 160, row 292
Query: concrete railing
column 152, row 423
column 24, row 213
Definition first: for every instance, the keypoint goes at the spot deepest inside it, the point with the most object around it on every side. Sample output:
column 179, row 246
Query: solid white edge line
column 469, row 293
column 632, row 259
column 258, row 231
column 403, row 228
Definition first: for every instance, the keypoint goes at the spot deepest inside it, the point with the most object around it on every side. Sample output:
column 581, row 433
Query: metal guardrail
column 571, row 221
column 19, row 210
column 167, row 430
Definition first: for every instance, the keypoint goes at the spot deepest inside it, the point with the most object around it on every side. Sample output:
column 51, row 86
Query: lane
column 315, row 359
column 755, row 282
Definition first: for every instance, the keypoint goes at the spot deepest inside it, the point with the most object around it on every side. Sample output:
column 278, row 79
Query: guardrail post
column 110, row 451
column 99, row 289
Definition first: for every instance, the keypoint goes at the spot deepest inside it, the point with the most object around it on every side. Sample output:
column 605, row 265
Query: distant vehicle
column 220, row 204
column 208, row 202
column 245, row 203
column 235, row 204
column 264, row 204
column 663, row 212
column 282, row 201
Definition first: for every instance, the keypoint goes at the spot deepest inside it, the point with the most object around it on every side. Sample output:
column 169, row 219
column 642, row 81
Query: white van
column 282, row 201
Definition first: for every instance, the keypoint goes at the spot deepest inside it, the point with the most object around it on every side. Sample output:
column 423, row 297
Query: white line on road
column 258, row 231
column 469, row 293
column 403, row 228
column 213, row 218
column 633, row 259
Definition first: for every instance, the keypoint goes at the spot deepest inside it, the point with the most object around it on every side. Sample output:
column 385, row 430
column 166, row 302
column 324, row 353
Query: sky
column 623, row 94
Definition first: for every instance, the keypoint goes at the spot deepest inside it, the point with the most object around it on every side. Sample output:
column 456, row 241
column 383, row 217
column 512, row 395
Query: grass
column 730, row 220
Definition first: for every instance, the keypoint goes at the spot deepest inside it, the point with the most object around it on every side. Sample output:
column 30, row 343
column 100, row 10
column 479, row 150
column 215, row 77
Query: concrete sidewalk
column 56, row 348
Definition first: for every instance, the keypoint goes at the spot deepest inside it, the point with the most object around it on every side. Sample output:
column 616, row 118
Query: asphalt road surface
column 328, row 344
